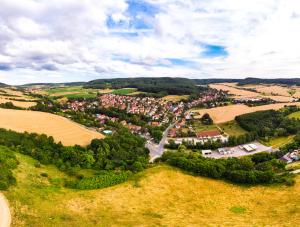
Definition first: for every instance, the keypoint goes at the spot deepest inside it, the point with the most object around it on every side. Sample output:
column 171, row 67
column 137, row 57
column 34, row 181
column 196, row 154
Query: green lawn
column 124, row 91
column 232, row 128
column 199, row 127
column 295, row 115
column 293, row 166
column 72, row 92
column 278, row 141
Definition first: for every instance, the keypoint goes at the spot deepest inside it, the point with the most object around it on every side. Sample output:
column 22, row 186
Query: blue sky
column 69, row 40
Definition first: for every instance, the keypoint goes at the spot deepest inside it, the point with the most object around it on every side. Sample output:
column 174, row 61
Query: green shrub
column 8, row 162
column 105, row 179
column 44, row 174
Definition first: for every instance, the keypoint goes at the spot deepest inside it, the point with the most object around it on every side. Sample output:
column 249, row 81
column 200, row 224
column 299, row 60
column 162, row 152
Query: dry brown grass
column 62, row 129
column 18, row 103
column 228, row 113
column 233, row 90
column 275, row 92
column 163, row 197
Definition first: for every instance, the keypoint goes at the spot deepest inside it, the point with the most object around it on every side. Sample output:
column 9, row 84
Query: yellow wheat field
column 275, row 92
column 228, row 113
column 60, row 128
column 18, row 103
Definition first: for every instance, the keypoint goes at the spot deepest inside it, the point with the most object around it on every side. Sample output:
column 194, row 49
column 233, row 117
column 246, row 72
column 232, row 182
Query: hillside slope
column 62, row 129
column 160, row 196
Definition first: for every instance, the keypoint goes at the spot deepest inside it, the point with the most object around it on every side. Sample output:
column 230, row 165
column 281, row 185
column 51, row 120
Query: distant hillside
column 3, row 85
column 165, row 85
column 55, row 84
column 213, row 81
column 250, row 80
column 286, row 81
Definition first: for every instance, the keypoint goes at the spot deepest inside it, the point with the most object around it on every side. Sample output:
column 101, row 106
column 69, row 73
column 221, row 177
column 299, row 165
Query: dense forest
column 122, row 150
column 214, row 81
column 261, row 168
column 164, row 85
column 270, row 123
column 250, row 80
column 285, row 81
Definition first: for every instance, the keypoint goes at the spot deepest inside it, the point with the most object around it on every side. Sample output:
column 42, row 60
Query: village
column 157, row 112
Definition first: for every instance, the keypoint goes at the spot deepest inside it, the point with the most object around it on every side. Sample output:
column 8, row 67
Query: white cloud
column 72, row 39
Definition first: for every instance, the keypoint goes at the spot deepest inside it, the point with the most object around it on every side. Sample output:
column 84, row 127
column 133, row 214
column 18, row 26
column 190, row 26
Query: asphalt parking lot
column 238, row 151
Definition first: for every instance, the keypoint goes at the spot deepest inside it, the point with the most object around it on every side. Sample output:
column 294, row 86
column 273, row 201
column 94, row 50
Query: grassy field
column 295, row 115
column 62, row 129
column 293, row 166
column 72, row 92
column 7, row 95
column 160, row 196
column 278, row 142
column 232, row 128
column 124, row 91
column 175, row 98
column 199, row 127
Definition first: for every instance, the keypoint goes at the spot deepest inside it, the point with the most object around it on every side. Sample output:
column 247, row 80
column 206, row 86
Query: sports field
column 62, row 129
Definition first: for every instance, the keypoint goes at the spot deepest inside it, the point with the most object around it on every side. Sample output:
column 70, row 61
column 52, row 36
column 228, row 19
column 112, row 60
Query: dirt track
column 5, row 217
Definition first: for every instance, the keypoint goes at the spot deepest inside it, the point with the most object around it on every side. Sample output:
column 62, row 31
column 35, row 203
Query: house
column 212, row 134
column 154, row 123
column 172, row 132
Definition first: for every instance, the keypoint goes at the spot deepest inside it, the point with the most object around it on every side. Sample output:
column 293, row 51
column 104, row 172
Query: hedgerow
column 103, row 180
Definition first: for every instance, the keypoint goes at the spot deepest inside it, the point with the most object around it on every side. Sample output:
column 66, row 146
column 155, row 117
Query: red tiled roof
column 210, row 133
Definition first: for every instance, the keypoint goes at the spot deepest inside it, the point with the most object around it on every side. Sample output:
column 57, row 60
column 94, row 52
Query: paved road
column 5, row 218
column 156, row 150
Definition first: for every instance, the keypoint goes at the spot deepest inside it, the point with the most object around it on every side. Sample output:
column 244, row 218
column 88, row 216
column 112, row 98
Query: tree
column 137, row 166
column 182, row 148
column 206, row 119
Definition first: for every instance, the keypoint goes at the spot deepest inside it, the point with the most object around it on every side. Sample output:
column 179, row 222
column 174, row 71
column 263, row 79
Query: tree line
column 122, row 150
column 171, row 86
column 270, row 123
column 261, row 168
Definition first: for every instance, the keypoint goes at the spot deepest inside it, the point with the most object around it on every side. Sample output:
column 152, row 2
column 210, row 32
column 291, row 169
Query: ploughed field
column 228, row 113
column 159, row 196
column 60, row 128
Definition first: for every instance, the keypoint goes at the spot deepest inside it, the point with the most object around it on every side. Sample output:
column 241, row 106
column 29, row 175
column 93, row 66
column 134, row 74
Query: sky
column 72, row 40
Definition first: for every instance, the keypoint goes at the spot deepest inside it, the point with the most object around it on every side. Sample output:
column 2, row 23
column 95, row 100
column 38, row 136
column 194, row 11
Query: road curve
column 5, row 218
column 156, row 150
